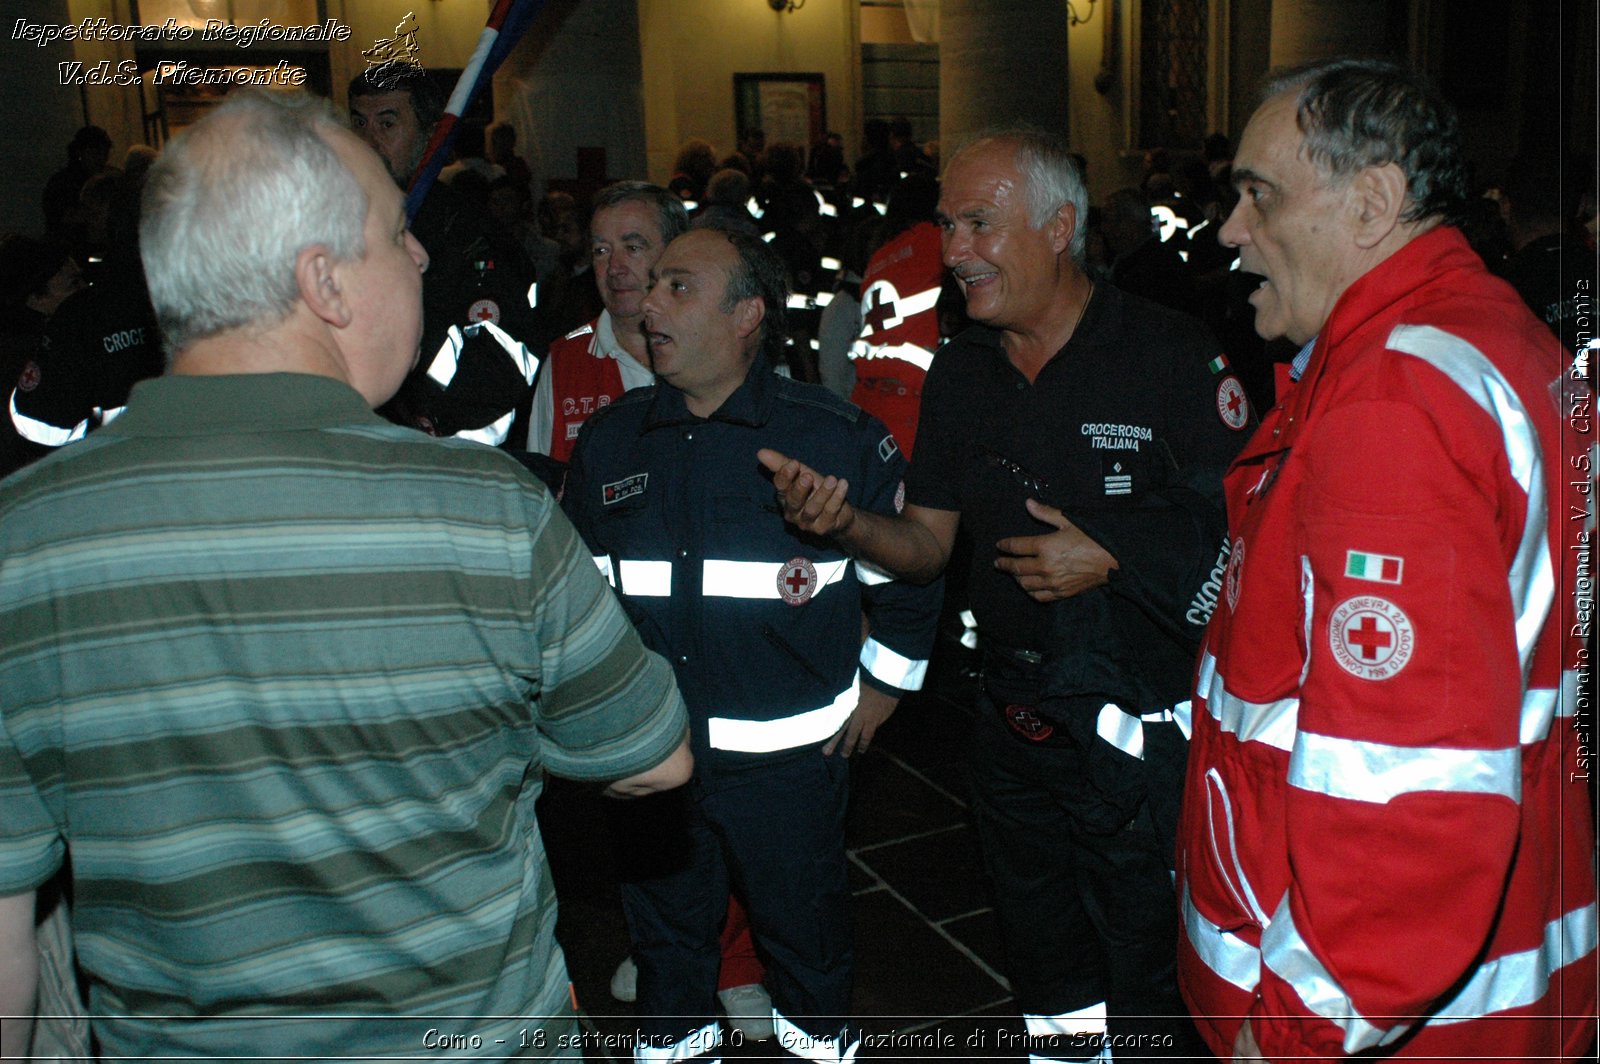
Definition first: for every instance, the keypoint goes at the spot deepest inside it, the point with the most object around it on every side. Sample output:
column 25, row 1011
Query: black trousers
column 1087, row 915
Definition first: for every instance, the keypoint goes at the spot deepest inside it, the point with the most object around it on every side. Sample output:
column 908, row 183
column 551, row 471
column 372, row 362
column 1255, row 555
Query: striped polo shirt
column 283, row 679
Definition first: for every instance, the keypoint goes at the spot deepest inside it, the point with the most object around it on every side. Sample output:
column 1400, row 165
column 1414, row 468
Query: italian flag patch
column 1218, row 364
column 1379, row 568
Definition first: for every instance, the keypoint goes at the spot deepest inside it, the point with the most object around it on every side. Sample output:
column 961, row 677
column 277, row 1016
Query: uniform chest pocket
column 632, row 529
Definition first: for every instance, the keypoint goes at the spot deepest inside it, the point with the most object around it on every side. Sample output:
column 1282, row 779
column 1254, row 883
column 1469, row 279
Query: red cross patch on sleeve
column 1371, row 637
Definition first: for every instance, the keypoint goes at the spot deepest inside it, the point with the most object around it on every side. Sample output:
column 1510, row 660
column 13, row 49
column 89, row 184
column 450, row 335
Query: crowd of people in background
column 823, row 211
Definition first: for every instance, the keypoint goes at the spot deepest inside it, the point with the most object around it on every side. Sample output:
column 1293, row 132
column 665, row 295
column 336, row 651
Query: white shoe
column 749, row 1010
column 625, row 980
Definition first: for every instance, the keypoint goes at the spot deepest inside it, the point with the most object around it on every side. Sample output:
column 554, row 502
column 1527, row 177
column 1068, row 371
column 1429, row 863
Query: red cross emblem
column 1234, row 574
column 1371, row 637
column 879, row 314
column 1232, row 405
column 483, row 310
column 1028, row 724
column 30, row 377
column 797, row 581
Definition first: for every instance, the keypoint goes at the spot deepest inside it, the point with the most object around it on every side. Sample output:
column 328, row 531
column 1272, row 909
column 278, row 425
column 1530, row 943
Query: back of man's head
column 1049, row 172
column 760, row 273
column 230, row 204
column 671, row 217
column 1356, row 113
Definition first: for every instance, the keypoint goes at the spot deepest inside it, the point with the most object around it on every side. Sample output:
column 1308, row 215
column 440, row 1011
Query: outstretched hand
column 1055, row 565
column 811, row 502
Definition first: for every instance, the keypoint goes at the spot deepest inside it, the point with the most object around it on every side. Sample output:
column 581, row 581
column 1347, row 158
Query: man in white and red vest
column 591, row 366
column 899, row 323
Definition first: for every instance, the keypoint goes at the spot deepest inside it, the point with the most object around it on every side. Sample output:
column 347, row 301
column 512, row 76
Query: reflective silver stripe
column 920, row 357
column 905, row 307
column 1089, row 1020
column 1122, row 730
column 1230, row 958
column 1243, row 893
column 870, row 574
column 1542, row 706
column 111, row 414
column 704, row 1040
column 810, row 1046
column 526, row 361
column 448, row 358
column 1377, row 772
column 1285, row 952
column 1518, row 980
column 891, row 667
column 785, row 733
column 758, row 580
column 644, row 579
column 493, row 434
column 1183, row 717
column 1271, row 723
column 603, row 563
column 1532, row 578
column 42, row 432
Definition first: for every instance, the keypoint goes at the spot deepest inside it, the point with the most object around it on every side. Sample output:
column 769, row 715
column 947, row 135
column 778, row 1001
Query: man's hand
column 1058, row 564
column 811, row 502
column 871, row 711
column 1245, row 1049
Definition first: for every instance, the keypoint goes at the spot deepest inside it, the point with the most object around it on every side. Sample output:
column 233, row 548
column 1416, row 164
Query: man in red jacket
column 1384, row 846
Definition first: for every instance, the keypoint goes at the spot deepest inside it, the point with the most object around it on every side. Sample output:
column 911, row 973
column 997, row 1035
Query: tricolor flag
column 1379, row 568
column 1218, row 364
column 508, row 21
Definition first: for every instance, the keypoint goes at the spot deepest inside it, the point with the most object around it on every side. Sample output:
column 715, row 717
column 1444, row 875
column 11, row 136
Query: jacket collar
column 1430, row 257
column 750, row 404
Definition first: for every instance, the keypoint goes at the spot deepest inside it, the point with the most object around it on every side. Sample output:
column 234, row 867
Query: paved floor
column 928, row 984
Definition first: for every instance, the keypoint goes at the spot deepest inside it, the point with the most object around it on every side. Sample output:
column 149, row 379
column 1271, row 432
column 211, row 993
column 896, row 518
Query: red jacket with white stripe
column 899, row 329
column 1383, row 843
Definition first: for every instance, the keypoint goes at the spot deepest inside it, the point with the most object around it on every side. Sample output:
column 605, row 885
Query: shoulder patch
column 887, row 447
column 1232, row 406
column 1371, row 637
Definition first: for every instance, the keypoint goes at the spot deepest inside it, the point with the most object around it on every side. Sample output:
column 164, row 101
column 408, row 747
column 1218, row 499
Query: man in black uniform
column 394, row 108
column 1108, row 419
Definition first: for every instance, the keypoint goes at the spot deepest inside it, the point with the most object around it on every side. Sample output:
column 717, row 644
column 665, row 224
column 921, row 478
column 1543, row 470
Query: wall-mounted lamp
column 1072, row 13
column 781, row 6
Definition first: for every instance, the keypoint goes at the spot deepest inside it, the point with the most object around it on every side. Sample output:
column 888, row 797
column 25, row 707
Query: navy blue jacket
column 761, row 622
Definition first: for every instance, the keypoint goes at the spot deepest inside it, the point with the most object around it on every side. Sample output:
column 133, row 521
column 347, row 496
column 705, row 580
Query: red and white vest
column 899, row 329
column 584, row 371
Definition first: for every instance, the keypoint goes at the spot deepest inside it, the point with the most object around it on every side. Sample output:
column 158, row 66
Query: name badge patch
column 626, row 488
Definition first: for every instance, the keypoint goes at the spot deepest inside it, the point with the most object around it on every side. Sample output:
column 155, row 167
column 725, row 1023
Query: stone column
column 1001, row 63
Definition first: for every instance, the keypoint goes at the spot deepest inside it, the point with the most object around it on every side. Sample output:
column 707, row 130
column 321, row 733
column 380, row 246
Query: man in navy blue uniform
column 764, row 628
